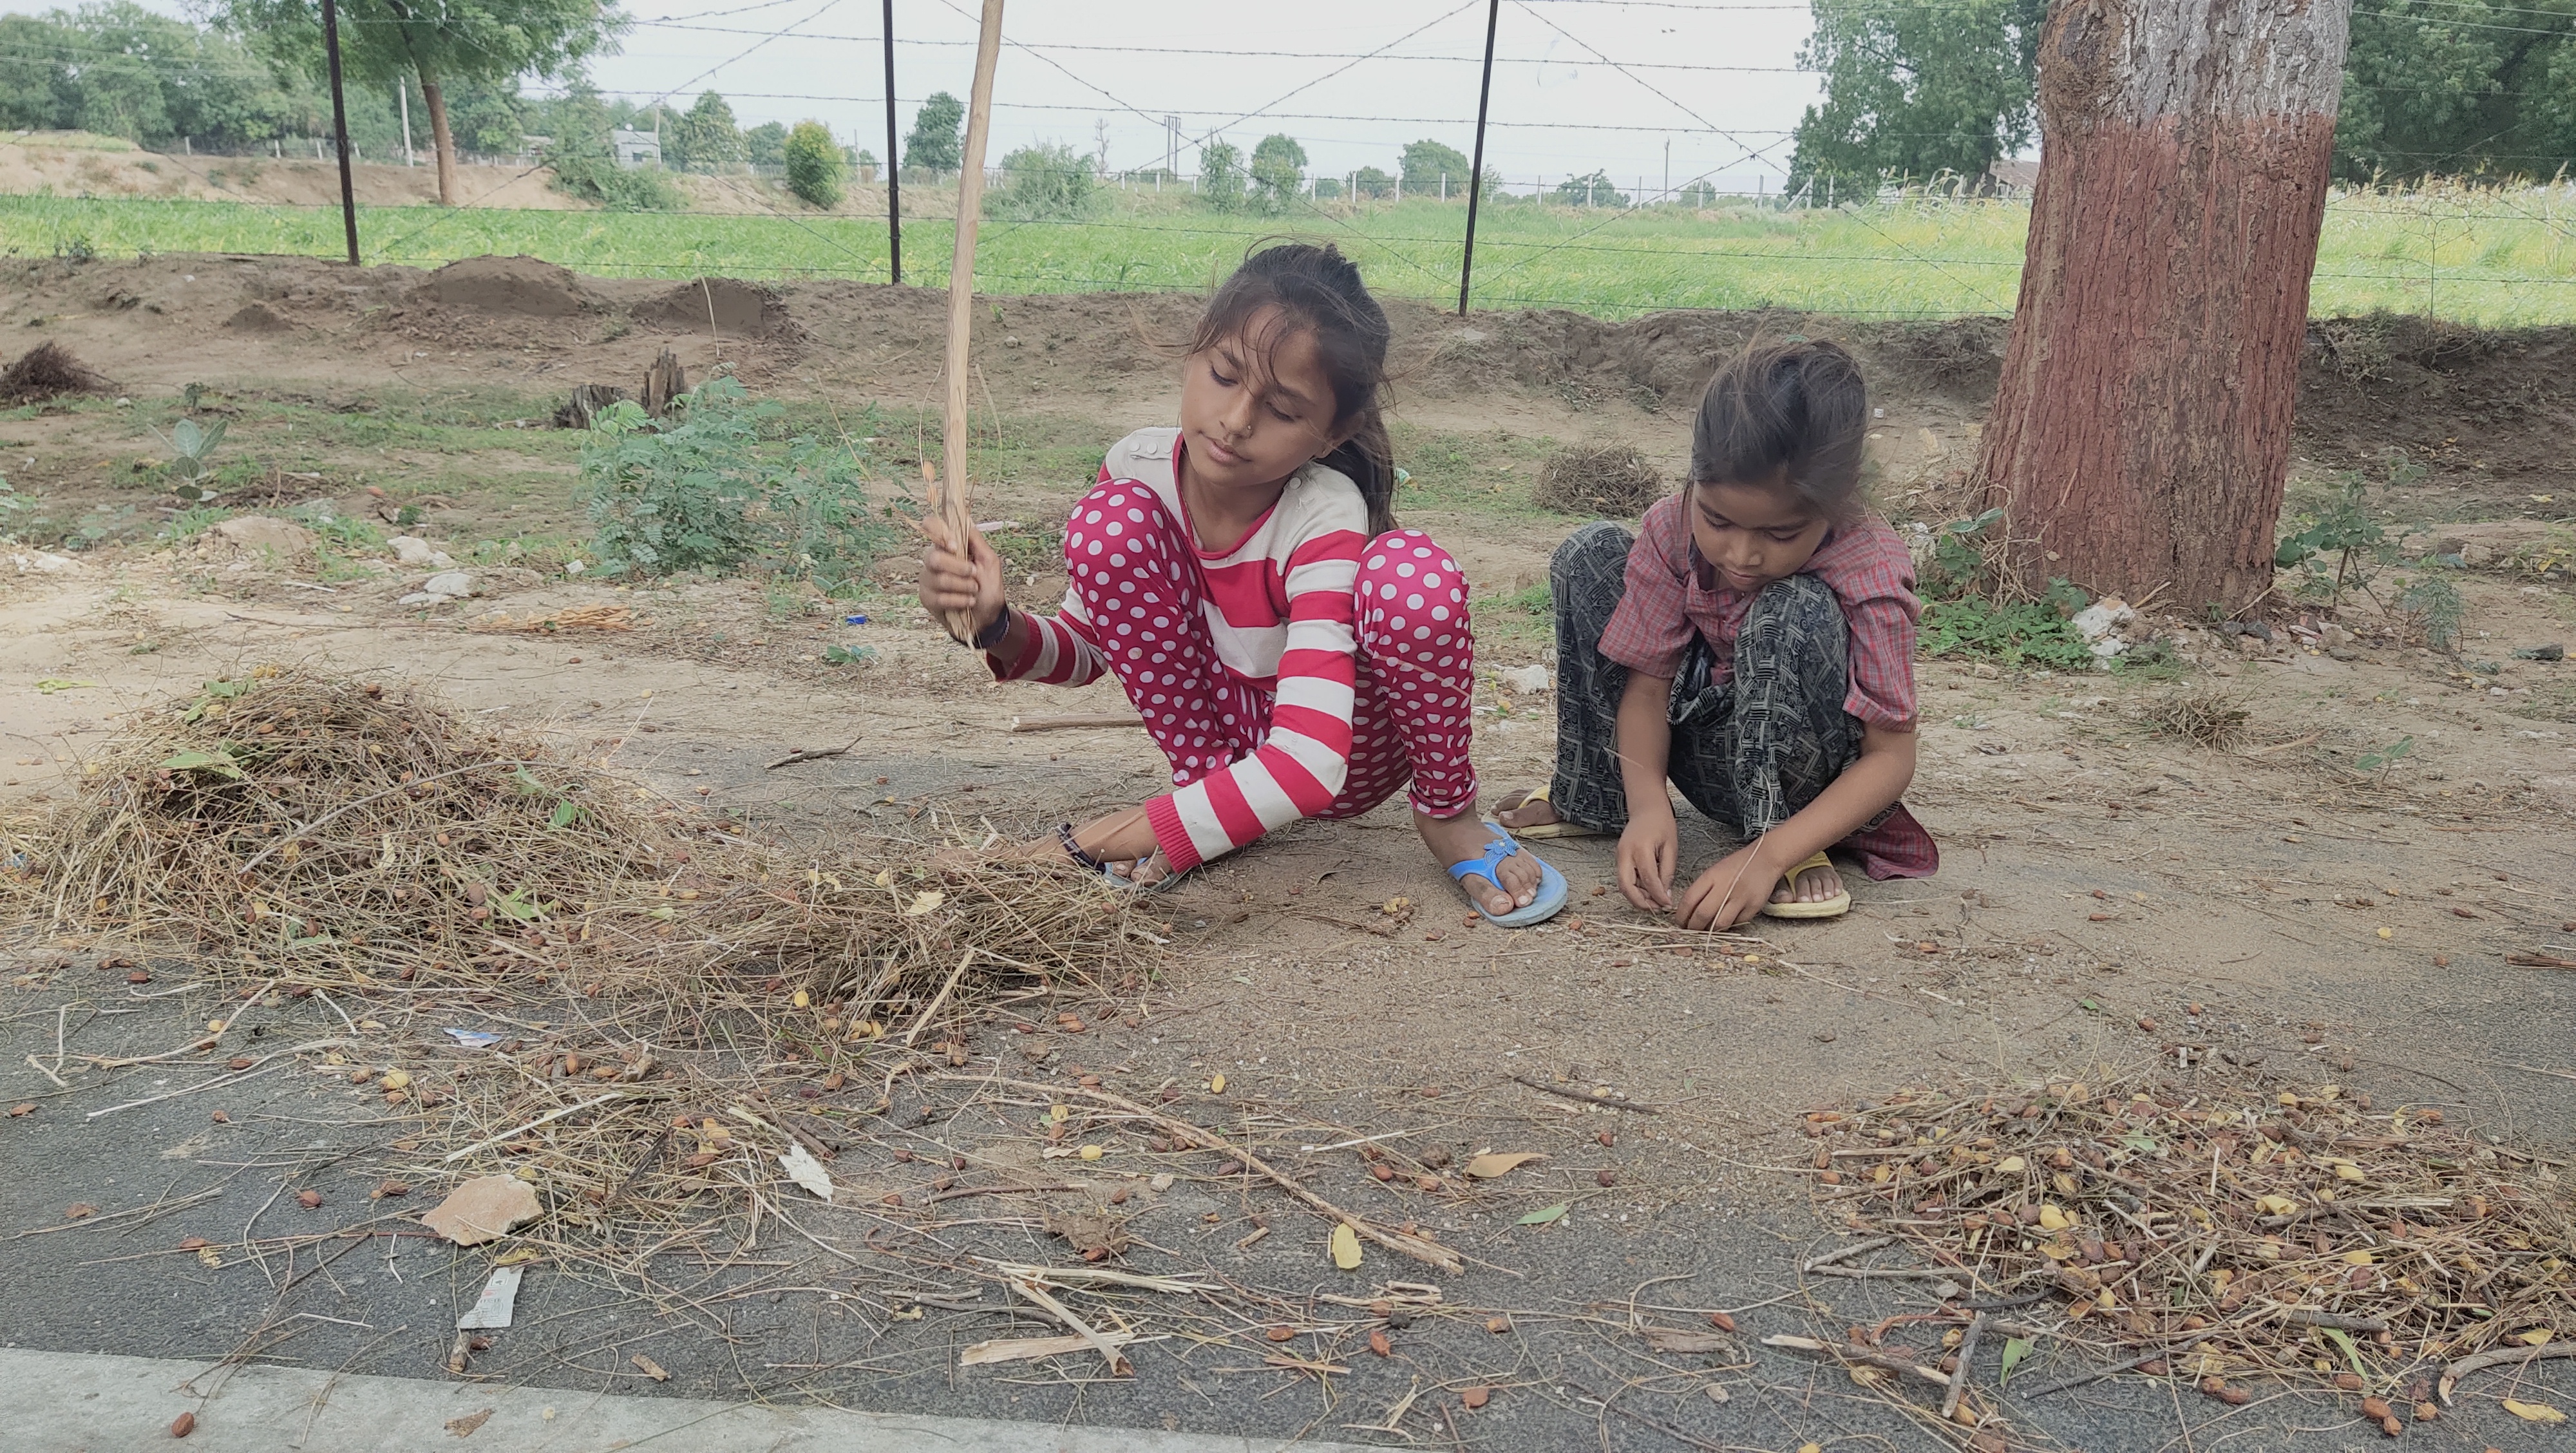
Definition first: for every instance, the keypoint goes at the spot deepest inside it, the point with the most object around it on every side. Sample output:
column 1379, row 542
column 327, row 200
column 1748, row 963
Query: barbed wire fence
column 1906, row 248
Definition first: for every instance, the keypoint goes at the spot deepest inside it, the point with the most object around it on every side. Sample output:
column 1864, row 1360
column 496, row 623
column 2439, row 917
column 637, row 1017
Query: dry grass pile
column 47, row 371
column 304, row 826
column 1598, row 479
column 2209, row 718
column 2238, row 1229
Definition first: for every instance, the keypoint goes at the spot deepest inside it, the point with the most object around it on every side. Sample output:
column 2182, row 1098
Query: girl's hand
column 972, row 582
column 1733, row 890
column 1648, row 850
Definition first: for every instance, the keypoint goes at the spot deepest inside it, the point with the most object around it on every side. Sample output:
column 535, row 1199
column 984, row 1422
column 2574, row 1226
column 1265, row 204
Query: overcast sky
column 1578, row 84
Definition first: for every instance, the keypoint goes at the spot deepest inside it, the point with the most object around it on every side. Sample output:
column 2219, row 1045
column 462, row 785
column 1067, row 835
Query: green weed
column 2024, row 634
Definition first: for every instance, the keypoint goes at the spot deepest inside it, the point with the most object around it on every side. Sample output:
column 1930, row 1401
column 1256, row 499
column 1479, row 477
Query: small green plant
column 192, row 448
column 2343, row 532
column 837, row 654
column 708, row 491
column 1959, row 555
column 1222, row 180
column 2379, row 760
column 2025, row 634
column 191, row 395
column 2434, row 607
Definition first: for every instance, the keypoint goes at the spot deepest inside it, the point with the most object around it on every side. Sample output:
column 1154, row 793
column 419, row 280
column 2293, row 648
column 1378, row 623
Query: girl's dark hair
column 1318, row 291
column 1796, row 413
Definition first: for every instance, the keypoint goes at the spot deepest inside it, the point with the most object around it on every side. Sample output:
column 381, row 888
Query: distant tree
column 1912, row 91
column 121, row 70
column 702, row 138
column 2458, row 88
column 1048, row 180
column 1278, row 172
column 814, row 165
column 1368, row 181
column 435, row 41
column 765, row 144
column 938, row 139
column 863, row 162
column 1328, row 188
column 1592, row 191
column 584, row 164
column 1426, row 162
column 1221, row 178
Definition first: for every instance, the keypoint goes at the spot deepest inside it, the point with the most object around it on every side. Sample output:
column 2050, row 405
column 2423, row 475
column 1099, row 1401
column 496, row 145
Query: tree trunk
column 440, row 139
column 2140, row 435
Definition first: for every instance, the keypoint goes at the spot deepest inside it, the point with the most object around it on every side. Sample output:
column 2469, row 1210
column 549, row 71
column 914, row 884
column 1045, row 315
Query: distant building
column 2015, row 178
column 636, row 148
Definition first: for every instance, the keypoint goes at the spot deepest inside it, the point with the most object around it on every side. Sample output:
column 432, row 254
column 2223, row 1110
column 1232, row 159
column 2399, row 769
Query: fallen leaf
column 1378, row 1343
column 2012, row 1165
column 806, row 1171
column 1475, row 1397
column 2053, row 1219
column 927, row 902
column 2275, row 1205
column 1715, row 1393
column 485, row 1208
column 1217, row 1085
column 1544, row 1217
column 1023, row 1349
column 79, row 1210
column 1486, row 1167
column 1346, row 1247
column 2534, row 1412
column 2015, row 1349
column 464, row 1427
column 649, row 1367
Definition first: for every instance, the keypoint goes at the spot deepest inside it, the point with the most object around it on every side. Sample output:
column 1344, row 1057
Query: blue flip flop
column 1551, row 884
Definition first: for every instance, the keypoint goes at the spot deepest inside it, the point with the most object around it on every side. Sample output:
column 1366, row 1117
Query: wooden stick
column 954, row 491
column 2503, row 1357
column 1072, row 721
column 809, row 754
column 1846, row 1253
column 1027, row 1287
column 1959, row 1377
column 923, row 1020
column 2168, row 1354
column 1585, row 1096
column 1193, row 1135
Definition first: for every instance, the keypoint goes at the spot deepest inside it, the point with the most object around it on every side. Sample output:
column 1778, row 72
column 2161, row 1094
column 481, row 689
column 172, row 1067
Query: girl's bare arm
column 1733, row 890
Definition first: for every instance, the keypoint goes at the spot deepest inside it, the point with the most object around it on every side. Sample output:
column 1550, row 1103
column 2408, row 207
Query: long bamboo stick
column 954, row 490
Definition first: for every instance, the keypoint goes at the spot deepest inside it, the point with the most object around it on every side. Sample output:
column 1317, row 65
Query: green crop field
column 2488, row 256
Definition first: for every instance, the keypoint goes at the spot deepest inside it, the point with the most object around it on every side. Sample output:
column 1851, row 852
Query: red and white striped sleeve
column 1299, row 769
column 1060, row 650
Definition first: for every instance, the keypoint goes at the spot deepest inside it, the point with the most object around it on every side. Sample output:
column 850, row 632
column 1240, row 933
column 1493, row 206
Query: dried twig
column 2452, row 1372
column 812, row 754
column 1586, row 1097
column 1967, row 1357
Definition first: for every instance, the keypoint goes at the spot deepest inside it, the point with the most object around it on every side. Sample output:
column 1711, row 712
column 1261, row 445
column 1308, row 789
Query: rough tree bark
column 2140, row 436
column 440, row 140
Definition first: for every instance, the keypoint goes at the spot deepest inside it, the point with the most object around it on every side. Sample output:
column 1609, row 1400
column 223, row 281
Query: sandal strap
column 1496, row 851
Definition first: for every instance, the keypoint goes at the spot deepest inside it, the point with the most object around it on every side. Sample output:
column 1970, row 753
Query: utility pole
column 340, row 126
column 1171, row 147
column 894, row 163
column 402, row 94
column 1668, row 169
column 1476, row 168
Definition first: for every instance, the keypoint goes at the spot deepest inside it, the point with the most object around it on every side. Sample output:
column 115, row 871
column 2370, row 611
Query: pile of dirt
column 2499, row 401
column 47, row 371
column 522, row 286
column 256, row 317
column 721, row 305
column 1598, row 479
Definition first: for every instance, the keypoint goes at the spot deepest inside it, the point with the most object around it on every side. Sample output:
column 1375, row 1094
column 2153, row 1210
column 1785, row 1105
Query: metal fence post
column 894, row 163
column 1476, row 168
column 340, row 126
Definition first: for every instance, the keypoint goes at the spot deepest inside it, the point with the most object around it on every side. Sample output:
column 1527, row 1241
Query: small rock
column 1475, row 1397
column 43, row 562
column 1528, row 680
column 422, row 597
column 182, row 1425
column 1160, row 1183
column 410, row 549
column 484, row 1209
column 309, row 1200
column 454, row 584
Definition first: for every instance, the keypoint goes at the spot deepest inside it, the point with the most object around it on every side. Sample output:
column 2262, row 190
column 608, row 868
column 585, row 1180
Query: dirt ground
column 77, row 164
column 2310, row 901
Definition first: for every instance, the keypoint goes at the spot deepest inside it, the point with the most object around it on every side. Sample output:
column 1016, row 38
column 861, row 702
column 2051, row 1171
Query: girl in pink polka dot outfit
column 1293, row 652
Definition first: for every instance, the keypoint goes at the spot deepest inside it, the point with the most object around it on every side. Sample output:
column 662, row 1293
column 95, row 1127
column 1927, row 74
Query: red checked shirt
column 1672, row 594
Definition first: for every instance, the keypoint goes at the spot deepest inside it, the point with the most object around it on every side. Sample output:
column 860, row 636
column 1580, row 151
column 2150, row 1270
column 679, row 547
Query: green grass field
column 2491, row 256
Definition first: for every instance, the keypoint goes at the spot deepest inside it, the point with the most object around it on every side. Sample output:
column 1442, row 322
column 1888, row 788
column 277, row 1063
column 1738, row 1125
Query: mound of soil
column 732, row 309
column 518, row 286
column 2500, row 401
column 256, row 318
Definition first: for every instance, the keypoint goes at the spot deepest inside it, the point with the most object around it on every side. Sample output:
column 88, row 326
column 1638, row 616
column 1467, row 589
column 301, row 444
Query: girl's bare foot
column 1457, row 839
column 1526, row 813
column 1813, row 886
column 1143, row 872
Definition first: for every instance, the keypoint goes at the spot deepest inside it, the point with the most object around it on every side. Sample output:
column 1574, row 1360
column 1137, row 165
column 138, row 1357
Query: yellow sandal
column 1546, row 831
column 1834, row 907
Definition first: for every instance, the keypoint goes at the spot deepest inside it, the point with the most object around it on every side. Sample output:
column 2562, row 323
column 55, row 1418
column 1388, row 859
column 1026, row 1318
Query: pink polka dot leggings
column 1414, row 674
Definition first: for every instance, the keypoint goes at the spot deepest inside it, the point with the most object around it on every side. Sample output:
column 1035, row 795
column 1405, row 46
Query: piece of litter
column 474, row 1038
column 649, row 1367
column 491, row 1311
column 485, row 1208
column 464, row 1427
column 854, row 620
column 806, row 1171
column 1022, row 1349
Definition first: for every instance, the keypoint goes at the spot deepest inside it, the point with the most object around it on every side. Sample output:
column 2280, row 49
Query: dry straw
column 2239, row 1227
column 1598, row 479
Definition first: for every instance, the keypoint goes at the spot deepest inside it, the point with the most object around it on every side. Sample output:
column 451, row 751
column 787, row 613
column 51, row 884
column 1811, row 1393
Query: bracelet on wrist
column 1073, row 849
column 991, row 636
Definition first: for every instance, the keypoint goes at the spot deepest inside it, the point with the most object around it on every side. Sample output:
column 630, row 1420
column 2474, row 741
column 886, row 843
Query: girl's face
column 1754, row 534
column 1256, row 407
